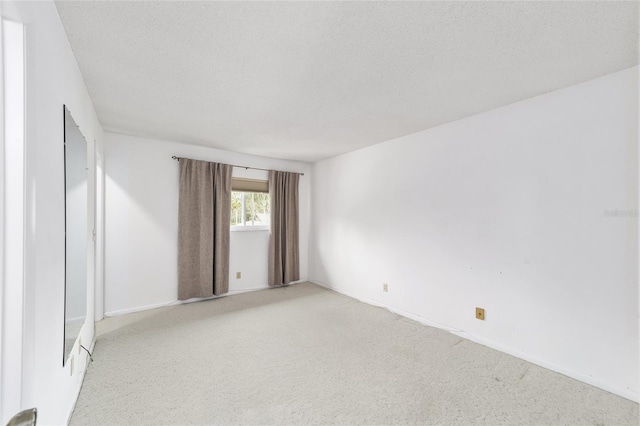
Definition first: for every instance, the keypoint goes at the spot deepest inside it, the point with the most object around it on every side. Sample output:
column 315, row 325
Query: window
column 250, row 208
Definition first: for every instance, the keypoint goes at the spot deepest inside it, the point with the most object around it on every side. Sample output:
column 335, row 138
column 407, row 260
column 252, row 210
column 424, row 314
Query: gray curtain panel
column 203, row 228
column 284, row 257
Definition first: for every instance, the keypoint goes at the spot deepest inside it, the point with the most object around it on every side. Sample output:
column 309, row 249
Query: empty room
column 319, row 212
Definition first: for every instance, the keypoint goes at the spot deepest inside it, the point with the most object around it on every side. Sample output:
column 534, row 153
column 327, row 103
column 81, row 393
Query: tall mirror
column 75, row 178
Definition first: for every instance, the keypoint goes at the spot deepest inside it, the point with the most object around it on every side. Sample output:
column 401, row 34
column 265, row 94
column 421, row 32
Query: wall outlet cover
column 480, row 314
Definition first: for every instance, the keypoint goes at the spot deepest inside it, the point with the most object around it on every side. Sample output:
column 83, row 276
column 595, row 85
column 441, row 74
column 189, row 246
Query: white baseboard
column 178, row 302
column 73, row 320
column 119, row 312
column 625, row 393
column 585, row 378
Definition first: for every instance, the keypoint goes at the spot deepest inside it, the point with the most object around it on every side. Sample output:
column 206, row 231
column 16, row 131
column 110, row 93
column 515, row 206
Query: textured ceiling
column 310, row 80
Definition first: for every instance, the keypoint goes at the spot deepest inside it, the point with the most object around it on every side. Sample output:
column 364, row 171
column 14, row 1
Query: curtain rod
column 240, row 167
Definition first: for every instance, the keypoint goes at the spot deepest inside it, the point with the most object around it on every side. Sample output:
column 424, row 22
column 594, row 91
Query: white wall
column 52, row 80
column 504, row 210
column 141, row 219
column 12, row 225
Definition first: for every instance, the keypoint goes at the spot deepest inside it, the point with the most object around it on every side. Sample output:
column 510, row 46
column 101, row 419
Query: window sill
column 241, row 228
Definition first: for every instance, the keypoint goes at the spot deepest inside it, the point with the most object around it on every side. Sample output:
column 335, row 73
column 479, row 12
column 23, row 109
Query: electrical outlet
column 238, row 275
column 480, row 314
column 385, row 287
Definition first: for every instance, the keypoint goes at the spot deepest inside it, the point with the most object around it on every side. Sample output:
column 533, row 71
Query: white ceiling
column 310, row 80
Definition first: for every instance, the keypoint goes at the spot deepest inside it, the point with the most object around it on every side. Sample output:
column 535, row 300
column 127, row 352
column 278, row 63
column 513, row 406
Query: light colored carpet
column 306, row 355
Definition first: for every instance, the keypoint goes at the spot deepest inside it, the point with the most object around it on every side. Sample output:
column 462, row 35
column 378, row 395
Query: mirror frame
column 64, row 187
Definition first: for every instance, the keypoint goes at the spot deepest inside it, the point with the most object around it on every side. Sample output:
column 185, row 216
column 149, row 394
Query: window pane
column 236, row 208
column 262, row 215
column 248, row 206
